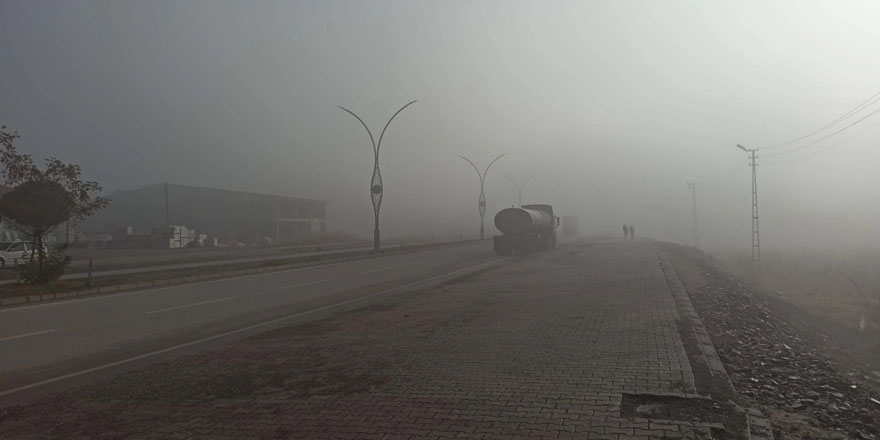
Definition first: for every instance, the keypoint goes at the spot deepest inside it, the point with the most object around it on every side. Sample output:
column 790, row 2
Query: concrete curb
column 758, row 426
column 690, row 316
column 226, row 272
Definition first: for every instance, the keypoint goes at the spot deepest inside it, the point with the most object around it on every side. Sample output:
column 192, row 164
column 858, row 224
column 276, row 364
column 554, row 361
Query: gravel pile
column 773, row 365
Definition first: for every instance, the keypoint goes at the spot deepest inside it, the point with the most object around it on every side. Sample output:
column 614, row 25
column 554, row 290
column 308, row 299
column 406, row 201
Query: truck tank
column 526, row 229
column 518, row 221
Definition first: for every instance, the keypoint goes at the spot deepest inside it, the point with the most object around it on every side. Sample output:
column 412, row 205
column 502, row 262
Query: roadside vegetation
column 843, row 286
column 166, row 277
column 42, row 199
column 839, row 292
column 790, row 353
column 175, row 276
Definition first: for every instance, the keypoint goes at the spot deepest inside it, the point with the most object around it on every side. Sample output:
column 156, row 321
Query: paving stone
column 540, row 348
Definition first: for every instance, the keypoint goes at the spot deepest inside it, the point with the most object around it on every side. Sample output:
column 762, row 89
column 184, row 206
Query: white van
column 13, row 252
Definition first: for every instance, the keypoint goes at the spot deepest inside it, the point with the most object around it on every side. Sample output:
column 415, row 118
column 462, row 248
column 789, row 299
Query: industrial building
column 225, row 215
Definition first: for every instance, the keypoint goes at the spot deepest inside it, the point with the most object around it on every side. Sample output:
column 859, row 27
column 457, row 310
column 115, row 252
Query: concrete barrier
column 13, row 300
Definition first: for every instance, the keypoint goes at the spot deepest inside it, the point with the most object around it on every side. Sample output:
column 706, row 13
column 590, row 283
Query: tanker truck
column 526, row 229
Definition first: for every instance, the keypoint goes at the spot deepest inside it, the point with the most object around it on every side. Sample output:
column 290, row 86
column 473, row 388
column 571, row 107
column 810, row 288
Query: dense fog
column 613, row 106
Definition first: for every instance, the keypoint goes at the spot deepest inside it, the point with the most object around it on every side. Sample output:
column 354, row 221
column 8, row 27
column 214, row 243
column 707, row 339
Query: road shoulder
column 777, row 356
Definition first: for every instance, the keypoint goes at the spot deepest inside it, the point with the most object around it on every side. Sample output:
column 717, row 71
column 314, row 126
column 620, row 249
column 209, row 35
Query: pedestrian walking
column 625, row 231
column 632, row 232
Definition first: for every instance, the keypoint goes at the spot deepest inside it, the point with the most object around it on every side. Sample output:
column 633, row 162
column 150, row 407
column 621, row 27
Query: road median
column 16, row 294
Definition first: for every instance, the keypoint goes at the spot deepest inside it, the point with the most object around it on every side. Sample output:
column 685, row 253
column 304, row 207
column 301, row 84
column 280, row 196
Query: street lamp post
column 376, row 187
column 520, row 188
column 481, row 202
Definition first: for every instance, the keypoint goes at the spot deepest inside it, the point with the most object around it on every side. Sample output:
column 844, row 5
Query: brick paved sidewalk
column 541, row 348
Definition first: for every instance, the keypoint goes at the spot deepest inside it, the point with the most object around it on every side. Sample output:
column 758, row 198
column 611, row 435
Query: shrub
column 52, row 268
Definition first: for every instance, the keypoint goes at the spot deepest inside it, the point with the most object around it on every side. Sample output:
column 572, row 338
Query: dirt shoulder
column 799, row 368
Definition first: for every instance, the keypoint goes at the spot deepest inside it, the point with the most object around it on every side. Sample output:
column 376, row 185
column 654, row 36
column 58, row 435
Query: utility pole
column 756, row 234
column 693, row 187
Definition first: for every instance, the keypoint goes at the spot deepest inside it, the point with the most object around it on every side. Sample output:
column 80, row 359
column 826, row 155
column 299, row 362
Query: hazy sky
column 613, row 105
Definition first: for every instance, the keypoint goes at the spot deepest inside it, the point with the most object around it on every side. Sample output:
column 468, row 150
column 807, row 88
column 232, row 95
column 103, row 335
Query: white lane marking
column 181, row 286
column 190, row 305
column 9, row 338
column 306, row 283
column 380, row 269
column 239, row 330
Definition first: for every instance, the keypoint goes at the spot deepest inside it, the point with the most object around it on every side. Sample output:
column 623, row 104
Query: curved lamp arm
column 373, row 141
column 379, row 145
column 490, row 166
column 475, row 167
column 515, row 185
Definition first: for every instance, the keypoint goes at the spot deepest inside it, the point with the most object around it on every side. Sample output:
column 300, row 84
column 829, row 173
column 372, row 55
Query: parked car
column 13, row 252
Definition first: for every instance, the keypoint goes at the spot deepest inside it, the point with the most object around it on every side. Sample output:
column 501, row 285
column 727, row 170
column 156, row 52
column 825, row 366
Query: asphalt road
column 47, row 346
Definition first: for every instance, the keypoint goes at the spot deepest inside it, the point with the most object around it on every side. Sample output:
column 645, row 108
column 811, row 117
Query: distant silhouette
column 632, row 232
column 625, row 231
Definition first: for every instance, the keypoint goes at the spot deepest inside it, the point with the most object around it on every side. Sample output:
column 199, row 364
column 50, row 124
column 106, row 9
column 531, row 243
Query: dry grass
column 8, row 290
column 63, row 286
column 821, row 283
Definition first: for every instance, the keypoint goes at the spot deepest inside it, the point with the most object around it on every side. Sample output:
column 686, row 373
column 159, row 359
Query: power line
column 866, row 103
column 826, row 147
column 801, row 147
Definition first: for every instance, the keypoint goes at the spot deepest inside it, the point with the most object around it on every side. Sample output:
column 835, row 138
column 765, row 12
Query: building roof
column 230, row 191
